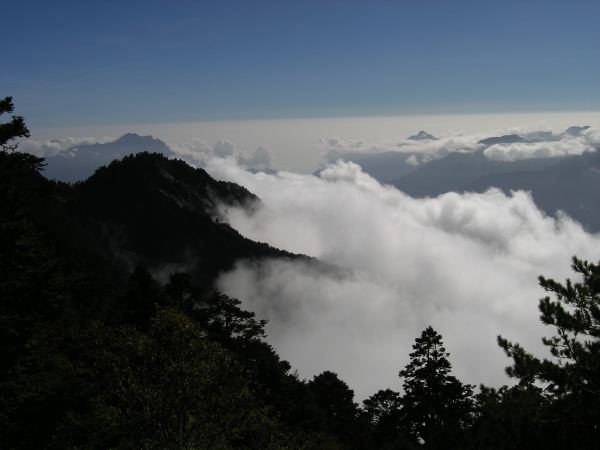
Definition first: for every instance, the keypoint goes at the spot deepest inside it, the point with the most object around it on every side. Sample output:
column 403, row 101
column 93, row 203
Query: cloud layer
column 199, row 152
column 563, row 145
column 51, row 147
column 466, row 264
column 537, row 145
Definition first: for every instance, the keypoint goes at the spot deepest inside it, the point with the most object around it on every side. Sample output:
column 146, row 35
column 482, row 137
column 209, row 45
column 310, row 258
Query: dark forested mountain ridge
column 98, row 353
column 143, row 211
column 162, row 212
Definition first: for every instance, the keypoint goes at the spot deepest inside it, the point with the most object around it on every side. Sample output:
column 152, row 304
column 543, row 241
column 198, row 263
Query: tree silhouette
column 382, row 405
column 436, row 406
column 513, row 418
column 383, row 411
column 572, row 379
column 336, row 400
column 14, row 129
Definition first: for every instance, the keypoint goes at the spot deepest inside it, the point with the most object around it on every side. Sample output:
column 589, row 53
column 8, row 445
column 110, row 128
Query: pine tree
column 14, row 129
column 383, row 411
column 382, row 405
column 572, row 378
column 436, row 406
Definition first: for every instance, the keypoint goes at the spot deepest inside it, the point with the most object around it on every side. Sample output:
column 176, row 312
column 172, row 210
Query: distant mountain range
column 454, row 171
column 536, row 136
column 576, row 131
column 150, row 211
column 567, row 183
column 571, row 184
column 506, row 139
column 80, row 161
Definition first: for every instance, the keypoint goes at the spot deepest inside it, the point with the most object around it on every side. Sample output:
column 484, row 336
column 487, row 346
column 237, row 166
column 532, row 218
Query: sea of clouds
column 545, row 144
column 467, row 264
column 198, row 152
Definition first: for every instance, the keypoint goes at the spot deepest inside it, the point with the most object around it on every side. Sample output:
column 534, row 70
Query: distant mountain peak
column 504, row 139
column 421, row 136
column 131, row 138
column 576, row 130
column 79, row 162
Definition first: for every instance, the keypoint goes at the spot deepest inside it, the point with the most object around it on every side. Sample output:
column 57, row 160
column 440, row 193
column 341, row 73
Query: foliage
column 384, row 411
column 571, row 378
column 436, row 406
column 336, row 401
column 382, row 405
column 16, row 128
column 512, row 418
column 173, row 388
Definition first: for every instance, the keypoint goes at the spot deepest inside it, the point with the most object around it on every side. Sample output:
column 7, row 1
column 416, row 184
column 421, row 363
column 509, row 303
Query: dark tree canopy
column 436, row 405
column 382, row 405
column 384, row 411
column 16, row 128
column 572, row 377
column 335, row 398
column 576, row 316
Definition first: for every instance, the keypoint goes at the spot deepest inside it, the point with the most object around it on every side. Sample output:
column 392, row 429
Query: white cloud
column 261, row 158
column 545, row 149
column 196, row 151
column 433, row 148
column 223, row 149
column 412, row 160
column 466, row 264
column 541, row 145
column 442, row 146
column 50, row 147
column 199, row 152
column 342, row 144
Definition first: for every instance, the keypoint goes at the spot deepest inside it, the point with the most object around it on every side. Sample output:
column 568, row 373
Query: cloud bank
column 536, row 145
column 563, row 145
column 466, row 264
column 199, row 152
column 51, row 147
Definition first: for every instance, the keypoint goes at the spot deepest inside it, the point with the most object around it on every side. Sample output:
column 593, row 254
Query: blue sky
column 103, row 62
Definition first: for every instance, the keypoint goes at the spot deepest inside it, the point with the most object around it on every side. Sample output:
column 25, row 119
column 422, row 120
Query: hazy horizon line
column 300, row 117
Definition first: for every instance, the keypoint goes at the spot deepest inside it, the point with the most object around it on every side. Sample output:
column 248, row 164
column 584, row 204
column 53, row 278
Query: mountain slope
column 571, row 184
column 163, row 214
column 101, row 354
column 451, row 173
